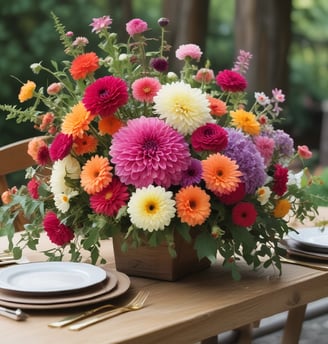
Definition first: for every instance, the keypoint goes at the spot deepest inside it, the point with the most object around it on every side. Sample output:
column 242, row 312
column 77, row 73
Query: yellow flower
column 26, row 91
column 246, row 121
column 282, row 208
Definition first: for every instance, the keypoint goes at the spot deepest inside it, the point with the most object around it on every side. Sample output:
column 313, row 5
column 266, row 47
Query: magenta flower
column 209, row 137
column 136, row 26
column 145, row 89
column 105, row 96
column 101, row 23
column 231, row 81
column 148, row 151
column 43, row 157
column 110, row 199
column 188, row 50
column 60, row 146
column 57, row 232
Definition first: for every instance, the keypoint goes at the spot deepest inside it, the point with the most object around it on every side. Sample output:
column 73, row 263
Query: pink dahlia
column 145, row 89
column 60, row 146
column 148, row 151
column 265, row 145
column 136, row 26
column 109, row 200
column 209, row 137
column 188, row 50
column 57, row 232
column 231, row 81
column 33, row 188
column 105, row 96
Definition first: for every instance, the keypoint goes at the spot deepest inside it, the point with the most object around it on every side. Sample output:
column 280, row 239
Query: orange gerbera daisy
column 83, row 65
column 76, row 122
column 109, row 125
column 246, row 121
column 221, row 174
column 193, row 205
column 96, row 174
column 218, row 107
column 85, row 144
column 282, row 208
column 26, row 91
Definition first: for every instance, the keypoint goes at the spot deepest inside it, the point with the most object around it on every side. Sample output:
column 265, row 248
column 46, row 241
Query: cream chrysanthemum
column 68, row 167
column 151, row 208
column 182, row 107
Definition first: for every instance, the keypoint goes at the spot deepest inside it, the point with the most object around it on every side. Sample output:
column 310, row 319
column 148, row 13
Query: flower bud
column 36, row 67
column 54, row 88
column 163, row 22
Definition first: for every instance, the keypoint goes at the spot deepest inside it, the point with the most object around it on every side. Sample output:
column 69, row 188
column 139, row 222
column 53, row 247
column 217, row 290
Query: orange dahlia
column 77, row 121
column 193, row 205
column 96, row 174
column 109, row 125
column 85, row 144
column 217, row 106
column 83, row 65
column 221, row 174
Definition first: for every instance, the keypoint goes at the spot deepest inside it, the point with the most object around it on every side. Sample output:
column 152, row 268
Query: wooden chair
column 14, row 158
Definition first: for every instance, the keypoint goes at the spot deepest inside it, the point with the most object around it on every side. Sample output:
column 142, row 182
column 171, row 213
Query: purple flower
column 241, row 149
column 148, row 151
column 60, row 146
column 284, row 144
column 209, row 137
column 193, row 175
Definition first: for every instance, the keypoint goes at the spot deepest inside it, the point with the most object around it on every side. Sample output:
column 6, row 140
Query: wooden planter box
column 156, row 262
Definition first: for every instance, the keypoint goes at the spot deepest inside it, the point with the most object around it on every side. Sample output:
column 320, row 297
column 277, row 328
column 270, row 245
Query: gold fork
column 73, row 318
column 137, row 303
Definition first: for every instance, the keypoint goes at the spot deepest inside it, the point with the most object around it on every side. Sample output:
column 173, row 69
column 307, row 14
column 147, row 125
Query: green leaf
column 206, row 246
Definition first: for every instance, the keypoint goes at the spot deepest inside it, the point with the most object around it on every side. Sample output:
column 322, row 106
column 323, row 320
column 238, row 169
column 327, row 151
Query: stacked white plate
column 309, row 242
column 55, row 285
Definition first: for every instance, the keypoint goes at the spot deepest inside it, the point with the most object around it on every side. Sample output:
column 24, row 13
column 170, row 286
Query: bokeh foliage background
column 27, row 36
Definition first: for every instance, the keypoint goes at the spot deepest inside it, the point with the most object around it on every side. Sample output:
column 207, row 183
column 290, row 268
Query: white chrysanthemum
column 184, row 108
column 151, row 208
column 68, row 167
column 263, row 194
column 62, row 200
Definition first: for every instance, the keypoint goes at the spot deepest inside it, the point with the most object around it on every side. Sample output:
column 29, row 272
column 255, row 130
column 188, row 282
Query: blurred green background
column 27, row 36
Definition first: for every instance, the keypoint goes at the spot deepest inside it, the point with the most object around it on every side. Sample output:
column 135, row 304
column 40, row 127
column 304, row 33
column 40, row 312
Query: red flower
column 280, row 180
column 57, row 232
column 210, row 137
column 105, row 96
column 33, row 188
column 231, row 81
column 83, row 65
column 43, row 157
column 244, row 214
column 235, row 196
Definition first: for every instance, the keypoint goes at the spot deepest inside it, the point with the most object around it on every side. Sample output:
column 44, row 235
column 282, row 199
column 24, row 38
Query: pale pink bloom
column 278, row 95
column 101, row 23
column 188, row 50
column 80, row 42
column 242, row 63
column 265, row 145
column 69, row 33
column 145, row 89
column 261, row 98
column 136, row 26
column 54, row 88
column 204, row 75
column 304, row 152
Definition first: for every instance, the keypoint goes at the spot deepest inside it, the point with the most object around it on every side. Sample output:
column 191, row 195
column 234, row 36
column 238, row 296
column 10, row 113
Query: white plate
column 315, row 238
column 50, row 277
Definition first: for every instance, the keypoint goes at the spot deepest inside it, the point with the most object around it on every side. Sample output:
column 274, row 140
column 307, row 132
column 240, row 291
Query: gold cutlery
column 303, row 263
column 15, row 314
column 73, row 318
column 136, row 304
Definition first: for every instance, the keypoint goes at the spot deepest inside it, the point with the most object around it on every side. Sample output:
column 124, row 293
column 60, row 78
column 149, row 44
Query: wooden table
column 187, row 311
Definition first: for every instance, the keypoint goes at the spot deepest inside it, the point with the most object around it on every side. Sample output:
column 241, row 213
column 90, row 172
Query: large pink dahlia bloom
column 148, row 151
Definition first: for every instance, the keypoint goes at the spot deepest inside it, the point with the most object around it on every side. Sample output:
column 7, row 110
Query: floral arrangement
column 131, row 147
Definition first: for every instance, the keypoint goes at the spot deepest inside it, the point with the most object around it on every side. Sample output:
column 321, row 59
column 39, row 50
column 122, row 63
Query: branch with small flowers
column 136, row 149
